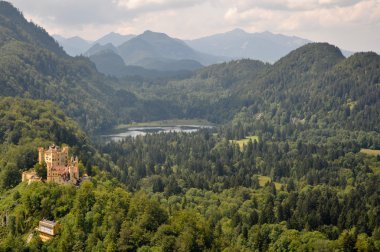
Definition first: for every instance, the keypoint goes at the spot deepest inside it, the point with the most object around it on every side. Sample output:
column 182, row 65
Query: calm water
column 142, row 131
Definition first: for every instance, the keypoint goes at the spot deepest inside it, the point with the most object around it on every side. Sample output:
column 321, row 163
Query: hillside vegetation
column 286, row 169
column 24, row 126
column 314, row 85
column 34, row 66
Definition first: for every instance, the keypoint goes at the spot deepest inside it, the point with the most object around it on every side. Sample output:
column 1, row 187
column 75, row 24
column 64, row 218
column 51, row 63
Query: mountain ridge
column 154, row 51
column 15, row 26
column 235, row 44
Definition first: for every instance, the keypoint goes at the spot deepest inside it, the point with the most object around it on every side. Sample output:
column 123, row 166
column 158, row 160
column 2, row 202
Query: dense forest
column 287, row 167
column 185, row 192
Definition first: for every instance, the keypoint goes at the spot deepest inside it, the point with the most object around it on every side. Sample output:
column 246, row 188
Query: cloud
column 291, row 5
column 85, row 12
column 153, row 5
column 350, row 23
column 299, row 15
column 72, row 12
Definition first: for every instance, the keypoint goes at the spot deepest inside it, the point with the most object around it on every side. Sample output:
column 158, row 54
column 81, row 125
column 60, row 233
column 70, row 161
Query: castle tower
column 74, row 170
column 64, row 155
column 41, row 155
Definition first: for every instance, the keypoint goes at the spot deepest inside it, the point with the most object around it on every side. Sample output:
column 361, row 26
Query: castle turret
column 41, row 155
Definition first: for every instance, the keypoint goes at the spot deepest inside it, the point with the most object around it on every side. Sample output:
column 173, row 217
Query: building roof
column 48, row 223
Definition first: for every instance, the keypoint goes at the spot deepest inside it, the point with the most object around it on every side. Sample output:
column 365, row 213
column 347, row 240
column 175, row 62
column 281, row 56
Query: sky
column 350, row 24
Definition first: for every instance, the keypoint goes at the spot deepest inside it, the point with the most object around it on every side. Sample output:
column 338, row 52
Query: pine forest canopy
column 306, row 176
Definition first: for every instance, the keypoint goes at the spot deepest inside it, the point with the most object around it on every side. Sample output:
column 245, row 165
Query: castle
column 60, row 169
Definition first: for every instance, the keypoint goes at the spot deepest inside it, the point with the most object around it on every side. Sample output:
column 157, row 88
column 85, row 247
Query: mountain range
column 238, row 44
column 35, row 66
column 76, row 46
column 153, row 51
column 292, row 163
column 158, row 51
column 235, row 44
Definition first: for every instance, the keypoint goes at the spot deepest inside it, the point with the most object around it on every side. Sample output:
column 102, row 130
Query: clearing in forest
column 245, row 141
column 370, row 152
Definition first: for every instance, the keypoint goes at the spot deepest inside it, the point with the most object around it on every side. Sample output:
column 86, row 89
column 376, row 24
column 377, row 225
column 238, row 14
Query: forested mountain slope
column 316, row 86
column 15, row 27
column 24, row 126
column 303, row 84
column 313, row 84
column 34, row 66
column 288, row 170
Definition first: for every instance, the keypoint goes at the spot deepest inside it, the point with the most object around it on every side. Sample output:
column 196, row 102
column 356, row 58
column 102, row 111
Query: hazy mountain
column 158, row 51
column 237, row 44
column 110, row 63
column 73, row 46
column 315, row 82
column 115, row 39
column 76, row 45
column 151, row 49
column 97, row 48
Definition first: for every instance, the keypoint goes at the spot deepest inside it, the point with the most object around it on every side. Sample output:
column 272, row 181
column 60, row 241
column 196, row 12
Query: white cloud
column 363, row 12
column 353, row 24
column 291, row 5
column 156, row 4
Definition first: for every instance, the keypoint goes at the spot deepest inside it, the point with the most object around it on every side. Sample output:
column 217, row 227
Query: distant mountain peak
column 78, row 39
column 147, row 32
column 114, row 38
column 238, row 31
column 152, row 35
column 113, row 33
column 98, row 48
column 237, row 44
column 266, row 33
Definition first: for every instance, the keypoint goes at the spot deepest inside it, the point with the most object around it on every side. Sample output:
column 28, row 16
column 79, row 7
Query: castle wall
column 59, row 168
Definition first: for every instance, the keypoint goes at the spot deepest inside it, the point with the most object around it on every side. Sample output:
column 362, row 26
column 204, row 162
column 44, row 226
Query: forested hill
column 317, row 86
column 27, row 124
column 293, row 166
column 314, row 84
column 34, row 66
column 15, row 27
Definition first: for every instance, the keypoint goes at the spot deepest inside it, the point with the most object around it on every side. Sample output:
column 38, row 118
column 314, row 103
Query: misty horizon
column 352, row 25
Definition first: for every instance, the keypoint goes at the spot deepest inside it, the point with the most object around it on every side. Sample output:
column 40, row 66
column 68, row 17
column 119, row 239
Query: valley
column 143, row 130
column 240, row 154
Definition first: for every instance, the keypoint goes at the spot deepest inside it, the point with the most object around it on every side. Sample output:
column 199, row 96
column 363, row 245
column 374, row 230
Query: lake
column 142, row 131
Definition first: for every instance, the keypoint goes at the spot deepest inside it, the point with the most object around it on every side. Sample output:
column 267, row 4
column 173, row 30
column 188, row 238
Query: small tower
column 41, row 155
column 73, row 169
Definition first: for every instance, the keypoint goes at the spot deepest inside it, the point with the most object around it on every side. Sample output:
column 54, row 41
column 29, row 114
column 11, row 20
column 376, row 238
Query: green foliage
column 312, row 112
column 41, row 170
column 26, row 125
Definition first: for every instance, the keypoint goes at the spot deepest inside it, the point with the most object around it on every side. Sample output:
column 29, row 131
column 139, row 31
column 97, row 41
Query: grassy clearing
column 265, row 179
column 245, row 141
column 370, row 152
column 352, row 104
column 371, row 159
column 375, row 169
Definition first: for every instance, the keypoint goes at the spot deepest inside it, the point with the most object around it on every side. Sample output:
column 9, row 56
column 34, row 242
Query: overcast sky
column 350, row 24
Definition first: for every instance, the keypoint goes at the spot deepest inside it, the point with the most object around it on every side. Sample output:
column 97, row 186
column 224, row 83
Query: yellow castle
column 60, row 169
